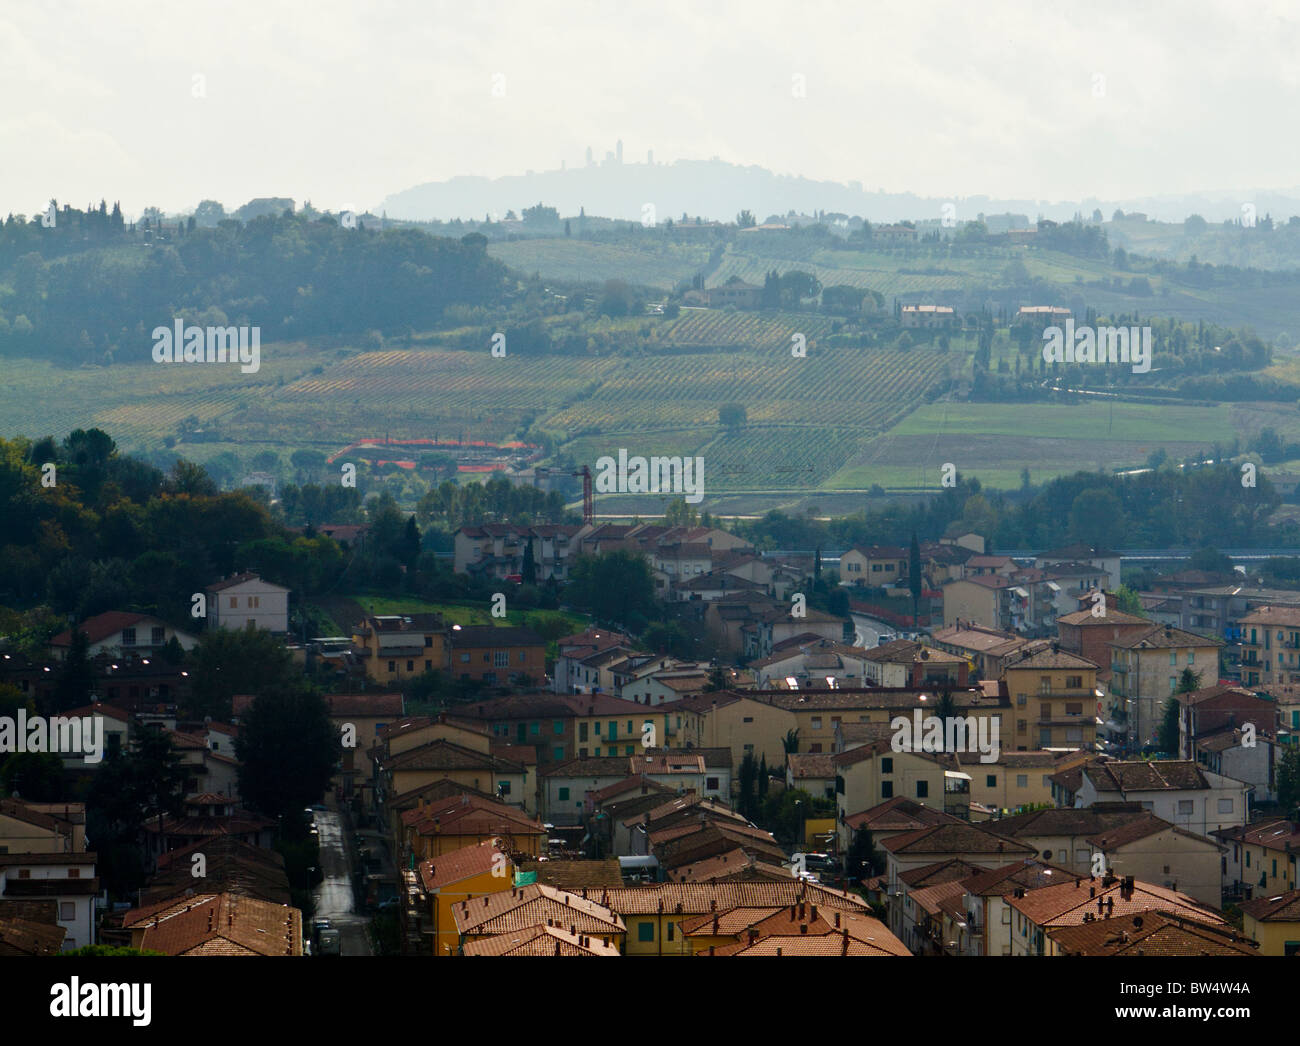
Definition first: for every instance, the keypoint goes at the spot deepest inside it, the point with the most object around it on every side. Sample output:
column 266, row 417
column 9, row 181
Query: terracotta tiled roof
column 633, row 784
column 543, row 940
column 101, row 626
column 1031, row 873
column 1068, row 903
column 1145, row 776
column 1087, row 619
column 939, row 898
column 575, row 875
column 898, row 814
column 805, row 765
column 364, row 704
column 1073, row 821
column 729, row 865
column 476, row 816
column 1288, row 617
column 1282, row 907
column 456, row 865
column 222, row 924
column 525, row 906
column 1276, row 834
column 952, row 870
column 953, row 839
column 99, row 708
column 1150, row 933
column 1051, row 659
column 698, row 898
column 448, row 756
column 21, row 937
column 1160, row 637
column 1132, row 831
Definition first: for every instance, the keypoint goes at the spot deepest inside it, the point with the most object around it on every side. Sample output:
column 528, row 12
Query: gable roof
column 24, row 937
column 221, row 924
column 1051, row 659
column 543, row 939
column 1068, row 904
column 1282, row 907
column 364, row 704
column 447, row 755
column 240, row 579
column 1156, row 932
column 899, row 814
column 101, row 626
column 953, row 839
column 1164, row 775
column 455, row 865
column 1087, row 618
column 524, row 906
column 1161, row 637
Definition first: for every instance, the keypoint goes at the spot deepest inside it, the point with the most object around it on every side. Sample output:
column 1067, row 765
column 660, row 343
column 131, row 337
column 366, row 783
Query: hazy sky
column 343, row 103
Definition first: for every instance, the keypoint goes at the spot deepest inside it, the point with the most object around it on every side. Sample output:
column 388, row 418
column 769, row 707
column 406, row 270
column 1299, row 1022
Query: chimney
column 844, row 948
column 837, row 921
column 753, row 935
column 794, row 912
column 813, row 916
column 715, row 925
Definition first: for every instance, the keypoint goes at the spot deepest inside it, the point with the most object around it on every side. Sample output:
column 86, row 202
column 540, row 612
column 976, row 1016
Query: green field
column 995, row 441
column 842, row 419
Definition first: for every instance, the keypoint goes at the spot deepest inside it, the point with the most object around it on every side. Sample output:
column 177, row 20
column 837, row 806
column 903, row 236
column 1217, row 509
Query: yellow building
column 655, row 915
column 359, row 720
column 727, row 719
column 1270, row 646
column 1053, row 702
column 1264, row 855
column 27, row 830
column 1274, row 923
column 609, row 726
column 472, row 871
column 1015, row 780
column 819, row 714
column 868, row 775
column 396, row 647
column 508, row 777
column 404, row 734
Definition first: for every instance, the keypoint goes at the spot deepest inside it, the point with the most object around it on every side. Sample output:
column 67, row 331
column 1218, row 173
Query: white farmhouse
column 237, row 601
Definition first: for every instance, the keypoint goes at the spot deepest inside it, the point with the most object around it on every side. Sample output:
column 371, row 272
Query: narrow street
column 334, row 898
